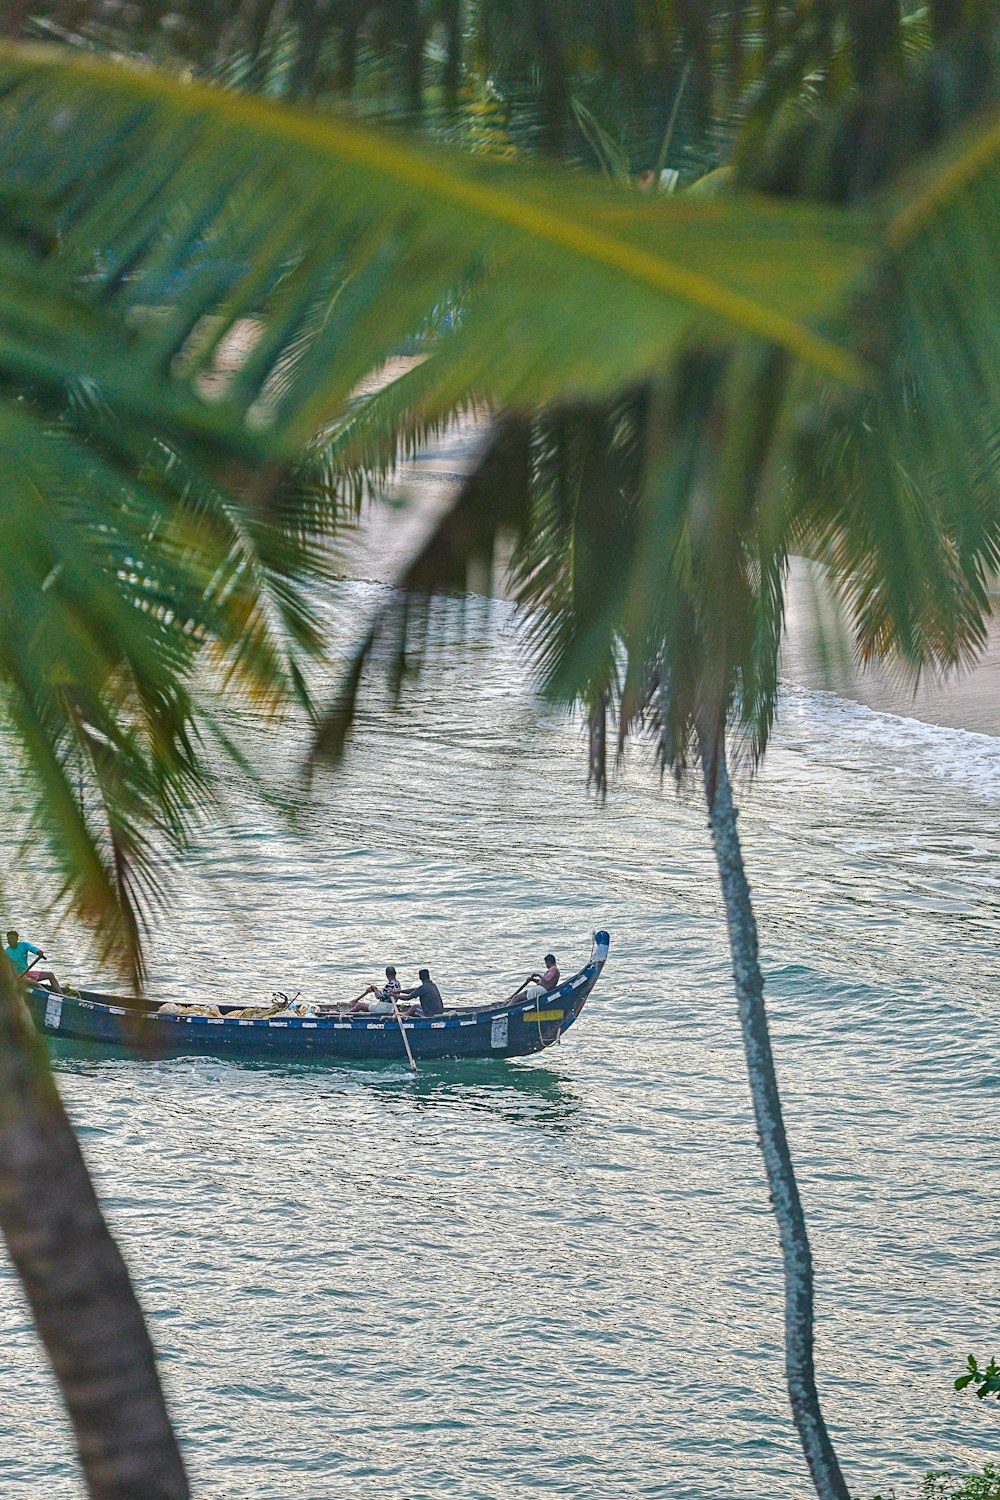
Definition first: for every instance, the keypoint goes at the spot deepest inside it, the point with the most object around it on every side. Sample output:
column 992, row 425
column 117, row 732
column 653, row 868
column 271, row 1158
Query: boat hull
column 503, row 1030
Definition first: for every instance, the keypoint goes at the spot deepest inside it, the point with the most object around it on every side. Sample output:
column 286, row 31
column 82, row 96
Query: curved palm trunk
column 76, row 1283
column 799, row 1370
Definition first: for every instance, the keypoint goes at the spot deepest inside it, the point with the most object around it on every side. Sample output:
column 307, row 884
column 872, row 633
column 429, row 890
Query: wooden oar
column 402, row 1032
column 399, row 1020
column 520, row 987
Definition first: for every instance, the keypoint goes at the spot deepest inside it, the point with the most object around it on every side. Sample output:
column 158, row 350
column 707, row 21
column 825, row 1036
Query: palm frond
column 382, row 427
column 591, row 295
column 127, row 579
column 207, row 230
column 741, row 456
column 490, row 504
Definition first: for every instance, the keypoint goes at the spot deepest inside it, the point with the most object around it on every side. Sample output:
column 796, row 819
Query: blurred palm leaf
column 654, row 529
column 136, row 597
column 151, row 227
column 173, row 243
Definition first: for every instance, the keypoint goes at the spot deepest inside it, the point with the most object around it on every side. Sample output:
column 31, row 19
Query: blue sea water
column 561, row 1277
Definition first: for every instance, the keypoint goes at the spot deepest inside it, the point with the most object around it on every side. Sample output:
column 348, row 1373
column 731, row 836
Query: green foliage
column 532, row 66
column 986, row 1380
column 654, row 560
column 136, row 597
column 945, row 1484
column 161, row 349
column 693, row 335
column 273, row 259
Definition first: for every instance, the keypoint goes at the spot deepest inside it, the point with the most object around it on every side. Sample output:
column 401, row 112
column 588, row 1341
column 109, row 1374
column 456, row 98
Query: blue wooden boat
column 508, row 1029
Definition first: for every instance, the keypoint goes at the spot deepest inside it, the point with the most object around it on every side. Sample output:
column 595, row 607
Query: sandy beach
column 968, row 700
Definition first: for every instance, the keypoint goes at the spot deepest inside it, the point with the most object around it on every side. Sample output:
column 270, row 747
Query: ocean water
column 561, row 1277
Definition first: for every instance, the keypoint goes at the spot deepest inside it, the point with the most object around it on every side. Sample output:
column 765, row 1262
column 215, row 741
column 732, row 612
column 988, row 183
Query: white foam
column 894, row 743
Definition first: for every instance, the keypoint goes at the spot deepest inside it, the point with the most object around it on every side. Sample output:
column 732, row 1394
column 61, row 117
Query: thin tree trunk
column 76, row 1283
column 799, row 1369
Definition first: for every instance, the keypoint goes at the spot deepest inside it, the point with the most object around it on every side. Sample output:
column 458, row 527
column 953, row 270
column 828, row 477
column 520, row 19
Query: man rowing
column 384, row 1002
column 19, row 954
column 427, row 997
column 537, row 985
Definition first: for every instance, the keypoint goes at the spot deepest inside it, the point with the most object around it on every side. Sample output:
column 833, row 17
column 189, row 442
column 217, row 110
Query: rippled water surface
column 561, row 1277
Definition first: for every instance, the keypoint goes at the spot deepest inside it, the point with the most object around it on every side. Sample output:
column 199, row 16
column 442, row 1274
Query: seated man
column 427, row 995
column 385, row 998
column 18, row 953
column 537, row 985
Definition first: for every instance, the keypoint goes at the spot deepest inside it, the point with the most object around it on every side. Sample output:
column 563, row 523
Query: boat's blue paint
column 503, row 1030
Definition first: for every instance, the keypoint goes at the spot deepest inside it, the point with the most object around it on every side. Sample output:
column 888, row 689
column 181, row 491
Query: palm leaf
column 192, row 235
column 492, row 500
column 136, row 599
column 898, row 492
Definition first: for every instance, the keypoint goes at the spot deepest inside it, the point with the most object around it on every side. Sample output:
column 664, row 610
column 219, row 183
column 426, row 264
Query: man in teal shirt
column 19, row 955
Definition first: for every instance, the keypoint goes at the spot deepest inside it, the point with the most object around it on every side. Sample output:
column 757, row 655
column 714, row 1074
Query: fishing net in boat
column 246, row 1013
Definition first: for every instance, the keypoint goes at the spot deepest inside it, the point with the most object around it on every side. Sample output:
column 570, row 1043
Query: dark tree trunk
column 257, row 20
column 873, row 28
column 797, row 1257
column 309, row 20
column 13, row 18
column 75, row 1280
column 452, row 12
column 946, row 18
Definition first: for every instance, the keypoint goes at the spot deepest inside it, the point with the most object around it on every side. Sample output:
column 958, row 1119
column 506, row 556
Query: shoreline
column 812, row 656
column 968, row 700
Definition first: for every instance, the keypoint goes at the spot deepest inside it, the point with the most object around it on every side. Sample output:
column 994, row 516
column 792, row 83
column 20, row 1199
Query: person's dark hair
column 550, row 958
column 425, row 975
column 12, row 934
column 390, row 972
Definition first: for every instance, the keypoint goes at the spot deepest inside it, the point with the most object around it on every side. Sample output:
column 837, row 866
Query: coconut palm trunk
column 797, row 1257
column 83, row 1304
